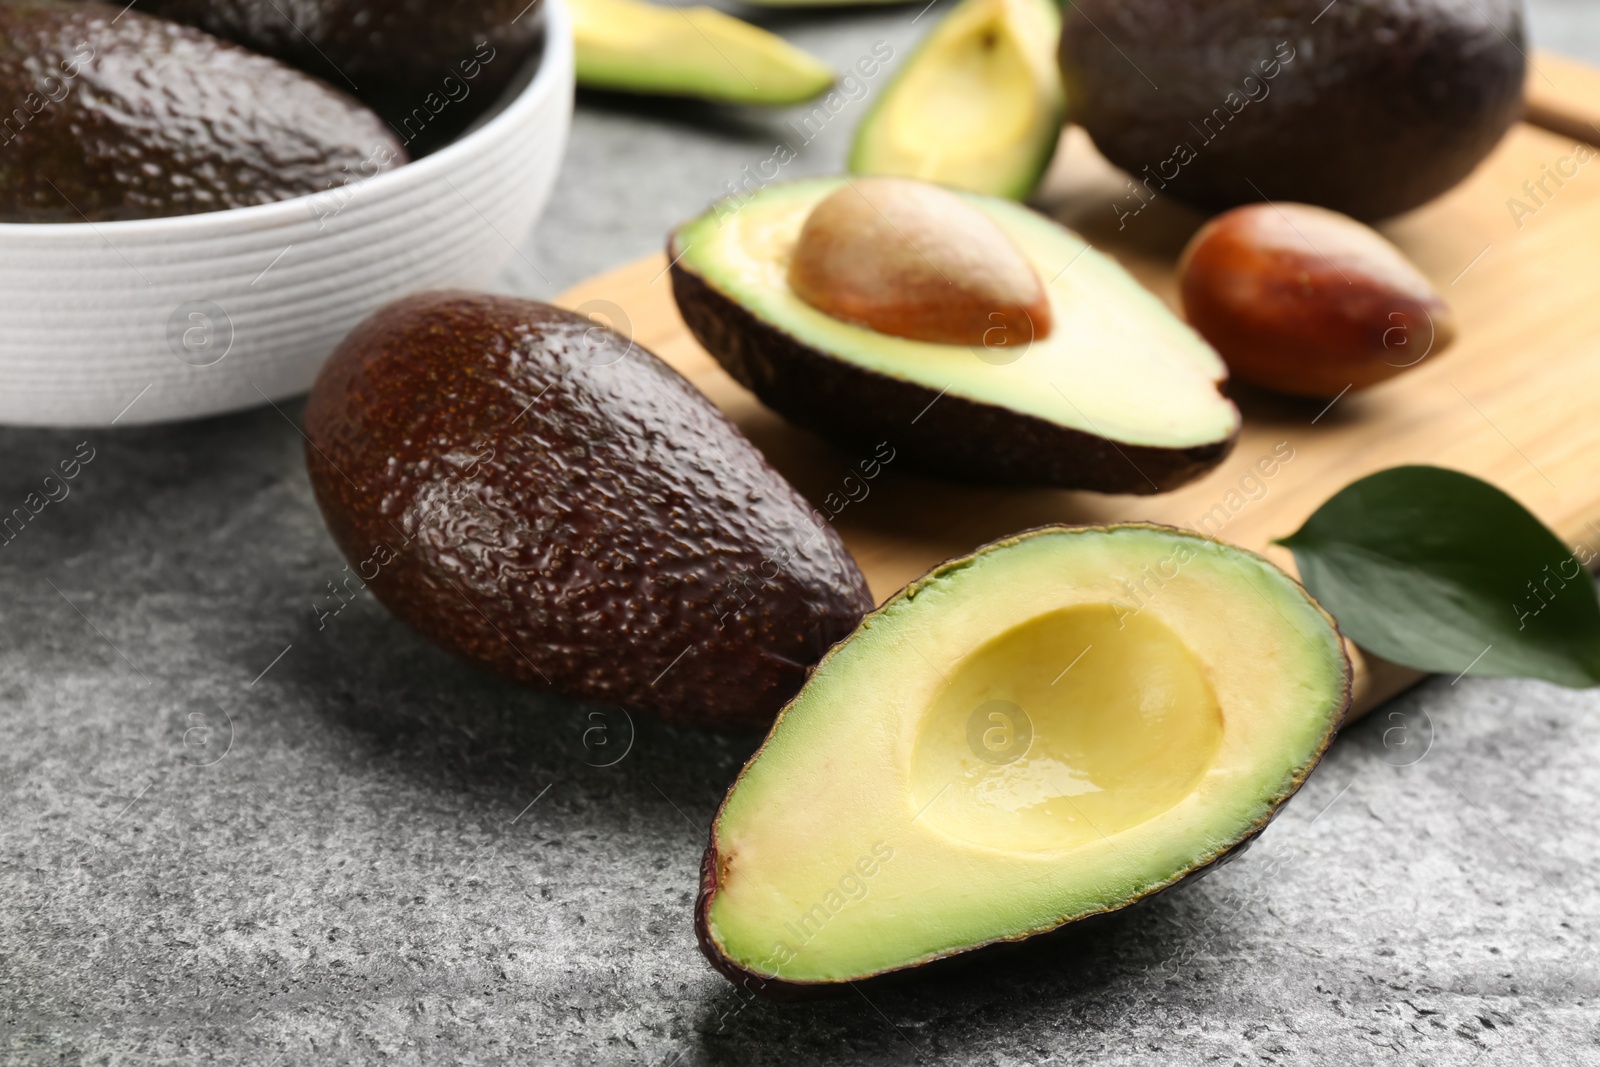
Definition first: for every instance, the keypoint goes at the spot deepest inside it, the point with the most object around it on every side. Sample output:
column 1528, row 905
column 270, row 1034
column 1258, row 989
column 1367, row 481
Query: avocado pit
column 913, row 260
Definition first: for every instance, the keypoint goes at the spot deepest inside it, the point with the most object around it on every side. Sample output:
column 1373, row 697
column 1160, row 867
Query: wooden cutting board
column 1514, row 401
column 1563, row 95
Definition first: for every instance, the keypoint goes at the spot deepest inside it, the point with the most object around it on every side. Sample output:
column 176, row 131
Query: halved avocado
column 1120, row 397
column 698, row 52
column 1057, row 726
column 978, row 105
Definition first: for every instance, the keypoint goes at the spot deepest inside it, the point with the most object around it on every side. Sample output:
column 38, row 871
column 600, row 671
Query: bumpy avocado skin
column 1376, row 106
column 428, row 67
column 530, row 499
column 939, row 434
column 133, row 117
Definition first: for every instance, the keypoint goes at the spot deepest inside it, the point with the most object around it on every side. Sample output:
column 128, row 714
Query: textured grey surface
column 236, row 830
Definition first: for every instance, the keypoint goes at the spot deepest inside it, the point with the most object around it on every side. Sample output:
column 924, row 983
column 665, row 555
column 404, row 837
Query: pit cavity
column 1065, row 730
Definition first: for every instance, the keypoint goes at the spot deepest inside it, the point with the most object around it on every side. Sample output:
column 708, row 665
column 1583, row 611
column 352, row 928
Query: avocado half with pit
column 1055, row 727
column 1110, row 393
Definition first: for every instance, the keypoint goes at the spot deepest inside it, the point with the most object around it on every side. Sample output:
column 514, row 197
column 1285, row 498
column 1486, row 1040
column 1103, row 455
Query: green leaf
column 1437, row 570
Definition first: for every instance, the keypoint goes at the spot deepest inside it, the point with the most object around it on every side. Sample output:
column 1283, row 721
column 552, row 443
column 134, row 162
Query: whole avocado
column 117, row 115
column 1369, row 107
column 428, row 67
column 548, row 500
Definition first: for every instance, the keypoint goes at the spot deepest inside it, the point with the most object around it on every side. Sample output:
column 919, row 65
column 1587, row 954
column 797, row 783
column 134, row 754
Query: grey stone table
column 235, row 831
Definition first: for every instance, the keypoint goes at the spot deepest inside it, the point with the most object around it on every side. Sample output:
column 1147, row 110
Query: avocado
column 1057, row 726
column 1116, row 395
column 428, row 68
column 1368, row 107
column 977, row 106
column 117, row 115
column 698, row 52
column 549, row 501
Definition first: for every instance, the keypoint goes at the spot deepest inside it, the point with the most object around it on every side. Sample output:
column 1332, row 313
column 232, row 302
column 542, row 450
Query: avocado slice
column 121, row 115
column 1369, row 107
column 697, row 52
column 1120, row 397
column 977, row 106
column 1057, row 726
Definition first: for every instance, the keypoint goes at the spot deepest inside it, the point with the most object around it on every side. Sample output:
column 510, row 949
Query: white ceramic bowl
column 158, row 319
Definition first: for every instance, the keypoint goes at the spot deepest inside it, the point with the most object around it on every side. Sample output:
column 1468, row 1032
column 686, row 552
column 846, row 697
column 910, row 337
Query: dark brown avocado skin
column 778, row 990
column 429, row 67
column 116, row 115
column 1384, row 104
column 529, row 498
column 944, row 436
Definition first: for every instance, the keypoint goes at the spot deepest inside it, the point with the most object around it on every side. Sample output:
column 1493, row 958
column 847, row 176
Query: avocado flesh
column 1117, row 371
column 978, row 105
column 889, row 819
column 697, row 52
column 124, row 116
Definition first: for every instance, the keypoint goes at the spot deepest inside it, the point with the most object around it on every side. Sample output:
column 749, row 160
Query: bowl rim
column 557, row 46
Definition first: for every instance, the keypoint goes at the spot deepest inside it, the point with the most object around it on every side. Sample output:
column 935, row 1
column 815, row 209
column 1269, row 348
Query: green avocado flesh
column 1116, row 363
column 978, row 106
column 1057, row 726
column 698, row 52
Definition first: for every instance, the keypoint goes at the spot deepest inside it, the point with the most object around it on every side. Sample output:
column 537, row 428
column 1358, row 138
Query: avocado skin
column 601, row 530
column 393, row 54
column 943, row 436
column 778, row 990
column 1385, row 105
column 93, row 135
